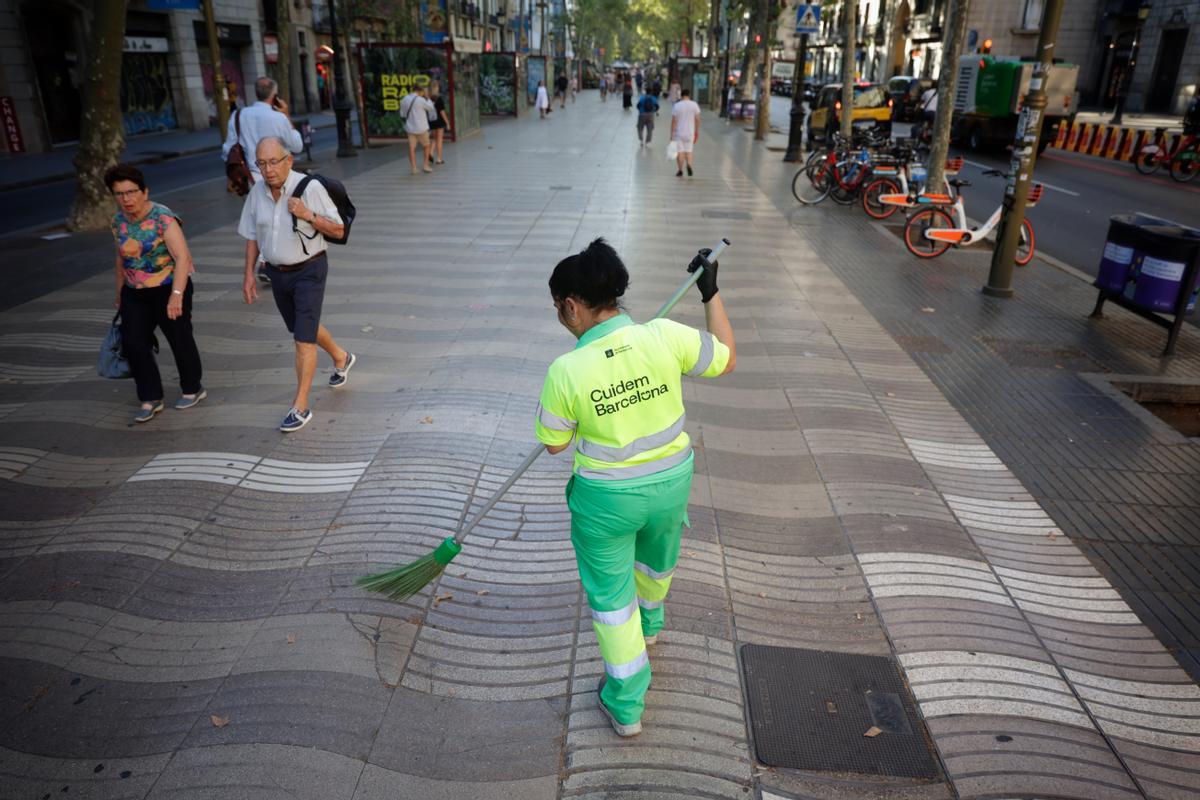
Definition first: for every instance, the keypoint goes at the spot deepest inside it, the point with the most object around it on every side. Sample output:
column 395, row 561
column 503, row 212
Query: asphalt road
column 45, row 206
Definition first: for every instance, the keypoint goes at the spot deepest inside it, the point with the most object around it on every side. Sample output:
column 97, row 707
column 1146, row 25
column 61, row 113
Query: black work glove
column 708, row 280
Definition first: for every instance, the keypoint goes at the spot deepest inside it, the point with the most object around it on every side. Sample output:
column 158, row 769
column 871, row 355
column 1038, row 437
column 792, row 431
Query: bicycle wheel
column 1147, row 163
column 1025, row 245
column 870, row 198
column 811, row 185
column 842, row 183
column 914, row 232
column 1184, row 166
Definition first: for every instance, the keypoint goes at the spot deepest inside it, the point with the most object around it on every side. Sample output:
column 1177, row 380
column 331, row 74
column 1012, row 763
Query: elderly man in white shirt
column 267, row 117
column 296, row 264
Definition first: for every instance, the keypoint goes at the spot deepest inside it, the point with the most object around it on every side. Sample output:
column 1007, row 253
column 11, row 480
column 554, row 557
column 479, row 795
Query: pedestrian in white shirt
column 417, row 110
column 543, row 100
column 296, row 264
column 267, row 117
column 685, row 130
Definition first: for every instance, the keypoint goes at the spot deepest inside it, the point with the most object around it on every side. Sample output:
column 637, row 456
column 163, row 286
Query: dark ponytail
column 596, row 276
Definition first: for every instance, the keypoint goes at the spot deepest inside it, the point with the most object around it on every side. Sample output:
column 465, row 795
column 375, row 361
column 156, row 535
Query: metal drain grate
column 809, row 710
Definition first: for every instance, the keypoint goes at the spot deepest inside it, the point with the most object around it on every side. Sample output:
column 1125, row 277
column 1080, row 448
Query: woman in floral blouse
column 154, row 290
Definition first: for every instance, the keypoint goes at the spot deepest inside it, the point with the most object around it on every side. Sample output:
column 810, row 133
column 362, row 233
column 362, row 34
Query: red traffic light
column 758, row 38
column 987, row 45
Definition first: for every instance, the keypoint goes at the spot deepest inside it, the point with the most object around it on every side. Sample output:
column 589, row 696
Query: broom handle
column 537, row 451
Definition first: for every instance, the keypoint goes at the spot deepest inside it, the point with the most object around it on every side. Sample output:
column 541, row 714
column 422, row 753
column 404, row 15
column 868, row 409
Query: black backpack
column 337, row 193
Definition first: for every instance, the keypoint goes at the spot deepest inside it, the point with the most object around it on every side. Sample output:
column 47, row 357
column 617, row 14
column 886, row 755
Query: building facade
column 166, row 76
column 904, row 37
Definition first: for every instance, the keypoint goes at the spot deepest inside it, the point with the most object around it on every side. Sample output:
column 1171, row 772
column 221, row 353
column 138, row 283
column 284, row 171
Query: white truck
column 990, row 90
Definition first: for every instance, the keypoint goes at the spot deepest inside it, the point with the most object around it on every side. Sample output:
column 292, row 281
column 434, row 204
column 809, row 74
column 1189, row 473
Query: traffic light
column 987, row 46
column 758, row 38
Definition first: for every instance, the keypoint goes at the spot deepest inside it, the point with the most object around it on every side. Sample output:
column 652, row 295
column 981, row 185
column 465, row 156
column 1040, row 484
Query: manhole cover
column 922, row 344
column 714, row 214
column 1040, row 355
column 810, row 709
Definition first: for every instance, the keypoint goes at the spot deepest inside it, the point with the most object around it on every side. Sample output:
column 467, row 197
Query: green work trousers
column 627, row 544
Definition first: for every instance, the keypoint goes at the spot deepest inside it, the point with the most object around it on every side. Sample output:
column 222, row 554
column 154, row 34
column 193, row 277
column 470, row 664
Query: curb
column 149, row 159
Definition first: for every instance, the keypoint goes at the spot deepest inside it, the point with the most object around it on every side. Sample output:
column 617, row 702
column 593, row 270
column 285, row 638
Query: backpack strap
column 298, row 192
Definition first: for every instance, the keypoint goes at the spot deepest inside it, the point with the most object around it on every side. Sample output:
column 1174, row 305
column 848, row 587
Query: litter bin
column 1161, row 262
column 1116, row 263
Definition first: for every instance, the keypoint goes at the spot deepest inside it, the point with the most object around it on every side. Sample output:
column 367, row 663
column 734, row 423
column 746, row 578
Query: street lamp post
column 1126, row 75
column 341, row 103
column 725, row 74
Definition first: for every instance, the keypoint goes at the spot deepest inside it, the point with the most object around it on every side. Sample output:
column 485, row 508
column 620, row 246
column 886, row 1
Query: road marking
column 1124, row 173
column 1043, row 183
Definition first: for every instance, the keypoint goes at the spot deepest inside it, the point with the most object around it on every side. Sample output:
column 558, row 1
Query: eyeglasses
column 273, row 163
column 129, row 193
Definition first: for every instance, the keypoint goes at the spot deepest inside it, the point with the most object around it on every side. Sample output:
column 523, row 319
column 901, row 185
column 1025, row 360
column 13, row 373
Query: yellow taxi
column 871, row 105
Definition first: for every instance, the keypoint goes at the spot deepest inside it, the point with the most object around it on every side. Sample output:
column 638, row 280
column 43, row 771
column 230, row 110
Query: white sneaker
column 651, row 639
column 623, row 730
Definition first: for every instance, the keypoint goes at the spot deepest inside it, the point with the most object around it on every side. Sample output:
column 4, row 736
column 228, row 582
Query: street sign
column 808, row 18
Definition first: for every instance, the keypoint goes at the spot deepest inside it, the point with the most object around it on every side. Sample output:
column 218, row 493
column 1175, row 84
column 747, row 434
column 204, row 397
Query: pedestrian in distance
column 561, row 84
column 154, row 290
column 627, row 94
column 674, row 93
column 574, row 87
column 656, row 87
column 417, row 111
column 266, row 117
column 297, row 265
column 639, row 79
column 618, row 396
column 543, row 100
column 685, row 131
column 440, row 122
column 603, row 88
column 647, row 107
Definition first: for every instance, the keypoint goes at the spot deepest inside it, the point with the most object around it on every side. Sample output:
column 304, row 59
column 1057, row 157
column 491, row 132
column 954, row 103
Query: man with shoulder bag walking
column 290, row 233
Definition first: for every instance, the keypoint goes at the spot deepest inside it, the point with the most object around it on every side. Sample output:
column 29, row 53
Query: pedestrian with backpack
column 248, row 126
column 289, row 218
column 647, row 107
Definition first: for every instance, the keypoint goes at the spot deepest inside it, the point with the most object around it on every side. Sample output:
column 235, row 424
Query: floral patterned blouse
column 143, row 247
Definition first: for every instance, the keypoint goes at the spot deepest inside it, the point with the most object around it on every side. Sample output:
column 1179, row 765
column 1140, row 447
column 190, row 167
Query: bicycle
column 897, row 186
column 1152, row 156
column 1185, row 163
column 827, row 167
column 931, row 231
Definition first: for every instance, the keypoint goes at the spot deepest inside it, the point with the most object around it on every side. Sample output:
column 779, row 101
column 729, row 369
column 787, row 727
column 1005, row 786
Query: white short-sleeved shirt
column 268, row 222
column 685, row 113
column 257, row 122
column 417, row 111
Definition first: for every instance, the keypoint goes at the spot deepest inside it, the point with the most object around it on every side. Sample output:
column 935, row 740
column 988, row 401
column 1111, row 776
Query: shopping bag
column 672, row 149
column 112, row 363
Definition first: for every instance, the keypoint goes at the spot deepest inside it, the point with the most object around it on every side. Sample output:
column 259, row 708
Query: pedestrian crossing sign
column 808, row 18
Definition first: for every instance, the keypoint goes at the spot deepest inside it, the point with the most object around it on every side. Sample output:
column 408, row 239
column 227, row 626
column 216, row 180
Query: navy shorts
column 299, row 295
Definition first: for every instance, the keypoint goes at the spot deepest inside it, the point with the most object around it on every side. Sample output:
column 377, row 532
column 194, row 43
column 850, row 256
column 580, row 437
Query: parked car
column 871, row 105
column 905, row 92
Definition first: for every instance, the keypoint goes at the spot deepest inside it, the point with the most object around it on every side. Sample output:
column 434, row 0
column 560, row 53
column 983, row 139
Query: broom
column 403, row 582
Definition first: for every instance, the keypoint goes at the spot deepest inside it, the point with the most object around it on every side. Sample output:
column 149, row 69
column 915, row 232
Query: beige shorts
column 418, row 138
column 685, row 146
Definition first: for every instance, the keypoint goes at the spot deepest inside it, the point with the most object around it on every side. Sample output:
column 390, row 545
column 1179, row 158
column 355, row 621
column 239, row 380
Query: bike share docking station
column 1150, row 266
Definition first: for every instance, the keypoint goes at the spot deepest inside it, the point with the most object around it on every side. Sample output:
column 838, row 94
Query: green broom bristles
column 403, row 582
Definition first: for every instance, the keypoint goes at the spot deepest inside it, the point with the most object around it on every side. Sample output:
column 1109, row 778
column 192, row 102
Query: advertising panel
column 391, row 71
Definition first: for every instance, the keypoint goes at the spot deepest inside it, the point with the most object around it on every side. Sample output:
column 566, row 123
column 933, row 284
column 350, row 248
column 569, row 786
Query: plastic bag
column 672, row 149
column 112, row 362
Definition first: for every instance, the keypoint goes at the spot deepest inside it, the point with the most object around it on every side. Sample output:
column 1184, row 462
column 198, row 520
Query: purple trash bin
column 1116, row 263
column 1160, row 263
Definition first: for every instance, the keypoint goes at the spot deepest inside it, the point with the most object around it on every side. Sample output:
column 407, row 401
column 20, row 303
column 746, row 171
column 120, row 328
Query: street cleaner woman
column 618, row 395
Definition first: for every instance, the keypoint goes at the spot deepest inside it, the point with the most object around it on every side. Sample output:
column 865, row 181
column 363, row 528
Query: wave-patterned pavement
column 177, row 607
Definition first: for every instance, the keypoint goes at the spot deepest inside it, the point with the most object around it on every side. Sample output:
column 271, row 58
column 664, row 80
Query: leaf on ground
column 830, row 707
column 927, row 310
column 858, row 615
column 368, row 329
column 872, row 732
column 762, row 595
column 291, row 638
column 41, row 692
column 219, row 722
column 891, row 394
column 441, row 598
column 426, row 420
column 482, row 592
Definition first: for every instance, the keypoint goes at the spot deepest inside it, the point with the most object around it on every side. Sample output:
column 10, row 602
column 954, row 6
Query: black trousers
column 143, row 310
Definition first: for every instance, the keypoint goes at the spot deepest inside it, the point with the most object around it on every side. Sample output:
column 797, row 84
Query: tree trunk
column 849, row 51
column 101, row 134
column 956, row 33
column 762, row 122
column 749, row 57
column 283, row 69
column 714, row 24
